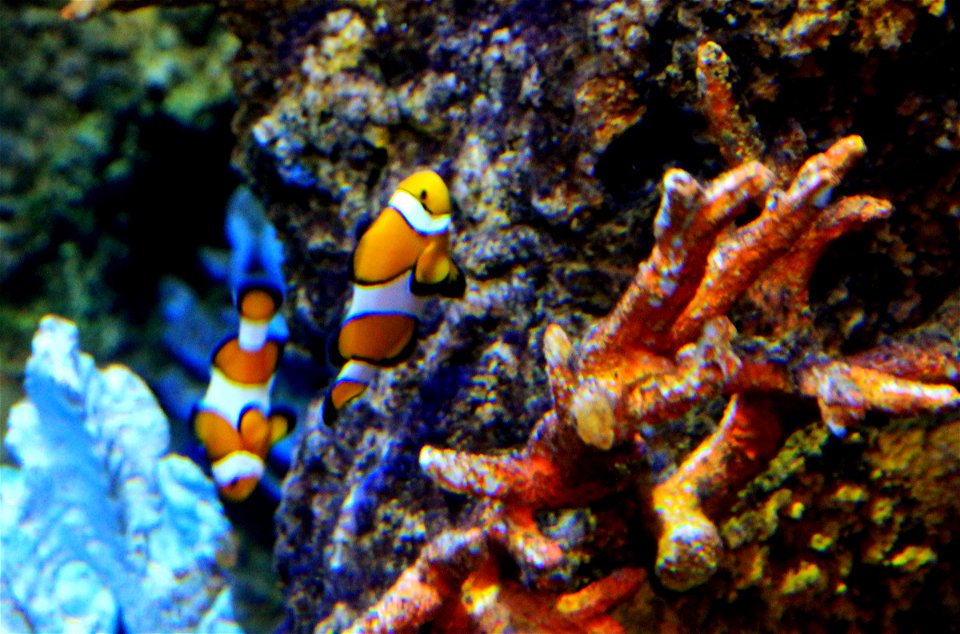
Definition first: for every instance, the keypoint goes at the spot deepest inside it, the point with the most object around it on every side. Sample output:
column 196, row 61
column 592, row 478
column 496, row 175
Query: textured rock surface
column 553, row 123
column 102, row 529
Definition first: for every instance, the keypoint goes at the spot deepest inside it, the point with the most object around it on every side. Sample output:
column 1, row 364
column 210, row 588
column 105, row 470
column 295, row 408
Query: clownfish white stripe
column 237, row 465
column 388, row 298
column 229, row 398
column 252, row 334
column 357, row 371
column 420, row 219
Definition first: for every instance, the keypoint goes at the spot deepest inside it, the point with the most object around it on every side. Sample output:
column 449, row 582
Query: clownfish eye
column 423, row 194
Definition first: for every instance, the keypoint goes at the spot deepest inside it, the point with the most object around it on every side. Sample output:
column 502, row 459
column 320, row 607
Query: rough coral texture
column 103, row 530
column 665, row 348
column 554, row 123
column 553, row 128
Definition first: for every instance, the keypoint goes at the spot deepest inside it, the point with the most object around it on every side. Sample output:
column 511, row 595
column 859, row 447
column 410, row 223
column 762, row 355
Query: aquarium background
column 115, row 146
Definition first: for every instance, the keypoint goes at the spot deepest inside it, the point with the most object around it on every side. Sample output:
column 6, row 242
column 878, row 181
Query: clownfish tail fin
column 352, row 382
column 256, row 257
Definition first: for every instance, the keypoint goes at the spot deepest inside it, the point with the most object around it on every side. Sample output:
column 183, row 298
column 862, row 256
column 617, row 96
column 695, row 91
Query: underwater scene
column 541, row 316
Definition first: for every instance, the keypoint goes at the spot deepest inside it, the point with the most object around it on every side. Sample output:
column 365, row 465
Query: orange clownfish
column 400, row 260
column 234, row 420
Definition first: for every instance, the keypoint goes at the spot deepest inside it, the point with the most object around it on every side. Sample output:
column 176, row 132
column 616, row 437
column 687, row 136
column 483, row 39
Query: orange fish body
column 234, row 420
column 402, row 259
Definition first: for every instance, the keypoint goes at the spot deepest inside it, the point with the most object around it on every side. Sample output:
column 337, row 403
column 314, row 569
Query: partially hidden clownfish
column 400, row 260
column 234, row 419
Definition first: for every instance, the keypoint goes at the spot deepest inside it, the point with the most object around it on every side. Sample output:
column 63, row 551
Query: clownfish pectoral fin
column 453, row 285
column 434, row 264
column 255, row 431
column 218, row 436
column 282, row 421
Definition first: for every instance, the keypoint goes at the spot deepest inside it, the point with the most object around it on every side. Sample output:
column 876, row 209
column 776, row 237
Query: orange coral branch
column 419, row 593
column 783, row 285
column 743, row 255
column 845, row 393
column 669, row 345
column 689, row 545
column 456, row 585
column 734, row 132
column 689, row 219
column 532, row 476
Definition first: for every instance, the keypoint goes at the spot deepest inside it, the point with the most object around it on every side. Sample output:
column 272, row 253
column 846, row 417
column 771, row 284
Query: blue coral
column 102, row 528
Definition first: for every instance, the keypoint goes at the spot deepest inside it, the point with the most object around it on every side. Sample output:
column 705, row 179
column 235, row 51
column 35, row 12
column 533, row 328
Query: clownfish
column 234, row 420
column 400, row 260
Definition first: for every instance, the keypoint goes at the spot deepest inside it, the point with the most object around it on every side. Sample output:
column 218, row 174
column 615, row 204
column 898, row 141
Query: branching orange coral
column 669, row 345
column 458, row 563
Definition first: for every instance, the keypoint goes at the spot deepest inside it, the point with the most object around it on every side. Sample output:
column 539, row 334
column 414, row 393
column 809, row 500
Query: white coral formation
column 101, row 528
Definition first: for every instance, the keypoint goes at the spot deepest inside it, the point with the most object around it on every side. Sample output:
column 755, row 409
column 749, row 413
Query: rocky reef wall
column 553, row 124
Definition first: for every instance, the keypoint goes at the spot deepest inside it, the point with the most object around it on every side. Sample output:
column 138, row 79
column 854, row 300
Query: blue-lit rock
column 102, row 529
